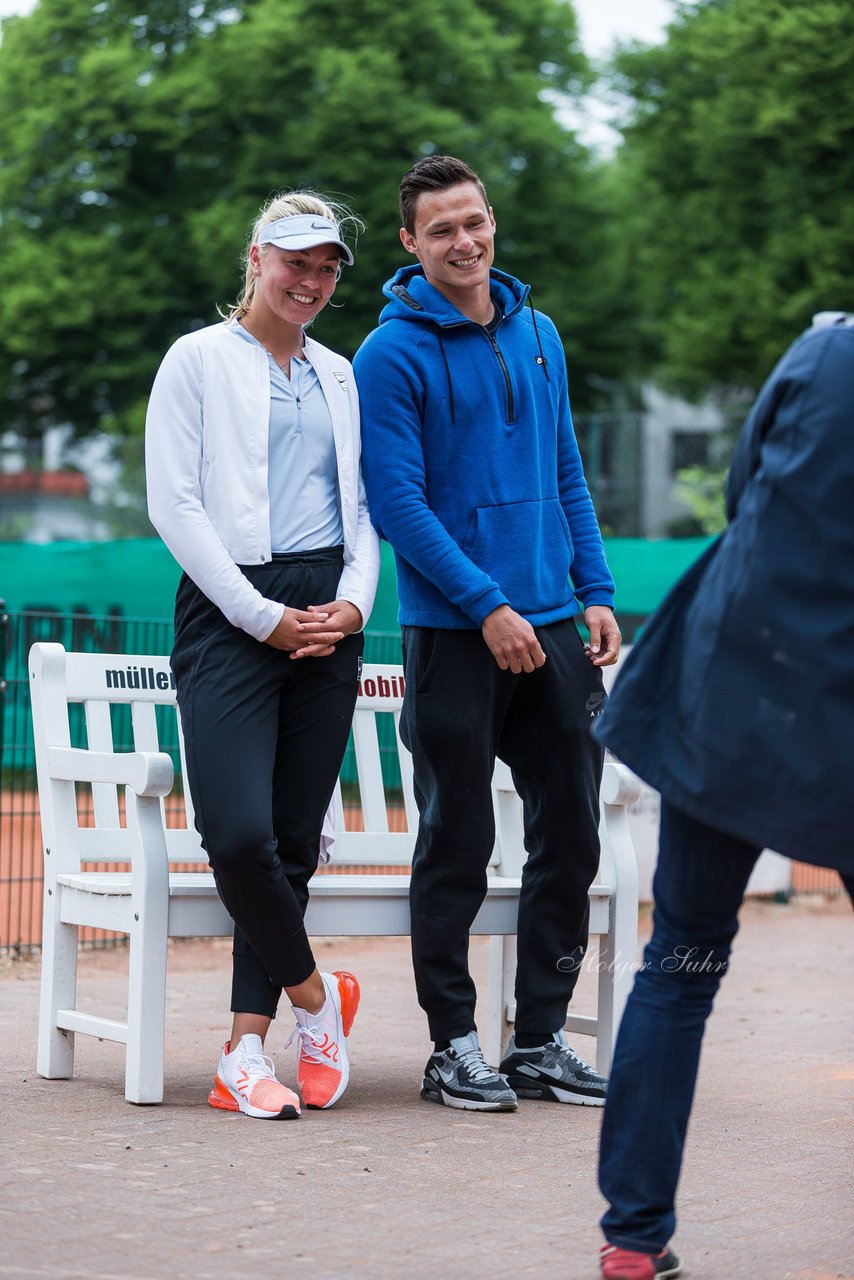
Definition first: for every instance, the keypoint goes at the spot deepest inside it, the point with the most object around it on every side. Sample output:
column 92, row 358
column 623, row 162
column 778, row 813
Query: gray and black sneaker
column 459, row 1077
column 553, row 1071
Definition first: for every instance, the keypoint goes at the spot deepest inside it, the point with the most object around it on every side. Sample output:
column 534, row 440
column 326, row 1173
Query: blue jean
column 698, row 889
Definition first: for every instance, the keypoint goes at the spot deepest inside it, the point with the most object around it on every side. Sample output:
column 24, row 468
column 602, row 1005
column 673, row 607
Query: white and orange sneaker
column 323, row 1068
column 245, row 1081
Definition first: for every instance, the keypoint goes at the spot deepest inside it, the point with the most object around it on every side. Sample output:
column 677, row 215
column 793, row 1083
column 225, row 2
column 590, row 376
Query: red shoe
column 323, row 1068
column 245, row 1081
column 625, row 1264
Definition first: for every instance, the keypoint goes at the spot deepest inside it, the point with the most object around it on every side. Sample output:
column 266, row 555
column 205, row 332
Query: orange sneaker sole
column 350, row 993
column 220, row 1097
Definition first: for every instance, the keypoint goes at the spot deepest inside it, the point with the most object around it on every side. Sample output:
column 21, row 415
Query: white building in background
column 674, row 435
column 633, row 456
column 54, row 490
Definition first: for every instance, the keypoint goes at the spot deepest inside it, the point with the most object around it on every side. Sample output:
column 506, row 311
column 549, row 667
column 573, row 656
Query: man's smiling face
column 454, row 240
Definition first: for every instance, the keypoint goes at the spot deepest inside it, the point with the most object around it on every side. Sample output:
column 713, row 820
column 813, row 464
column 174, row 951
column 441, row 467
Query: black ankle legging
column 265, row 736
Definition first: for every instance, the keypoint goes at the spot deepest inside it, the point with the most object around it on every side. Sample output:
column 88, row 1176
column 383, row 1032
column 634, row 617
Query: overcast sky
column 604, row 21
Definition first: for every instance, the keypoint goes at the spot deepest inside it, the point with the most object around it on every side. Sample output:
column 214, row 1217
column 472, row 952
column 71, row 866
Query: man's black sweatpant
column 265, row 735
column 460, row 711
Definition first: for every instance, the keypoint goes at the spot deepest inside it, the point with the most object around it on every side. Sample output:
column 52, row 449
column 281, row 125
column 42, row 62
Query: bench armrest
column 619, row 785
column 148, row 773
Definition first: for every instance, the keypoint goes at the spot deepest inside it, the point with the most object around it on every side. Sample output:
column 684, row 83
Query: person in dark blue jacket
column 474, row 477
column 737, row 704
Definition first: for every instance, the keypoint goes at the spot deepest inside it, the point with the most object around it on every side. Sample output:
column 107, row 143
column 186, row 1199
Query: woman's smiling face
column 295, row 284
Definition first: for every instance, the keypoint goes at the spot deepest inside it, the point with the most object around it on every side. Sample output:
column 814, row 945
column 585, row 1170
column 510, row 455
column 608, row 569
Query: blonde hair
column 285, row 205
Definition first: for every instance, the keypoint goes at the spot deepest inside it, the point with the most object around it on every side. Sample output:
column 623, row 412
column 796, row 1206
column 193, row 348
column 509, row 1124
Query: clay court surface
column 387, row 1187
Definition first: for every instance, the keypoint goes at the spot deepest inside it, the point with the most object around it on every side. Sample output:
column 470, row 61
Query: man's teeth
column 467, row 262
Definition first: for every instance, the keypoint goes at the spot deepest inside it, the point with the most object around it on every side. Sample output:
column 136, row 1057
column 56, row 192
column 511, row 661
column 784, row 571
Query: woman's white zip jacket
column 206, row 454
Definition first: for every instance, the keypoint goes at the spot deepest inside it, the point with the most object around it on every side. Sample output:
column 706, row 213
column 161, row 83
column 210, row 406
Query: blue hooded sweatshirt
column 470, row 460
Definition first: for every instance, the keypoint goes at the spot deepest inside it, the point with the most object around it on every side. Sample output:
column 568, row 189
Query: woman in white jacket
column 254, row 484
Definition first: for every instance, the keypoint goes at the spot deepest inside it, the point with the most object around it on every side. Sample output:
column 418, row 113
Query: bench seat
column 367, row 905
column 157, row 897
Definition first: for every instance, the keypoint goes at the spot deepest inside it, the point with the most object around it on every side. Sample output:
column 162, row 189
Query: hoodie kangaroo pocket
column 527, row 549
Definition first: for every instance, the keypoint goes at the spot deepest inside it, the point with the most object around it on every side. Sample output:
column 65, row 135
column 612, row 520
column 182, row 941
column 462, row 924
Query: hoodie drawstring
column 543, row 361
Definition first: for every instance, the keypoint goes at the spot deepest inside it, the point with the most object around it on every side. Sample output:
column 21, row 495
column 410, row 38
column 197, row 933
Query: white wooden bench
column 125, row 790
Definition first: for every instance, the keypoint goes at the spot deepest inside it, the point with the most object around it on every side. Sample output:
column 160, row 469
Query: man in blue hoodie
column 474, row 476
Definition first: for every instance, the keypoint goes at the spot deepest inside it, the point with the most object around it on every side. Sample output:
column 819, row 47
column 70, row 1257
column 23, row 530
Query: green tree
column 737, row 172
column 703, row 490
column 135, row 151
column 90, row 273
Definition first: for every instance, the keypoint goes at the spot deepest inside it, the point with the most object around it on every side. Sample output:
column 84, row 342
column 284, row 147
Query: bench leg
column 146, row 1016
column 502, row 976
column 606, row 1014
column 147, row 964
column 618, row 948
column 55, row 1059
column 617, row 962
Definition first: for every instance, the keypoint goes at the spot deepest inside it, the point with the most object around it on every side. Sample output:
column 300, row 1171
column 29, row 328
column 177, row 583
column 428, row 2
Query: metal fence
column 20, row 833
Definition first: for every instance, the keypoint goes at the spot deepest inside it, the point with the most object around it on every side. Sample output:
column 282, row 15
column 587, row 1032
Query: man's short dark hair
column 433, row 173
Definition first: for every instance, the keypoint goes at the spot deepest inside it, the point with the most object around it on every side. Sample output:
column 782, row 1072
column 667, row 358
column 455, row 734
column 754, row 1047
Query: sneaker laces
column 313, row 1040
column 260, row 1063
column 565, row 1048
column 475, row 1064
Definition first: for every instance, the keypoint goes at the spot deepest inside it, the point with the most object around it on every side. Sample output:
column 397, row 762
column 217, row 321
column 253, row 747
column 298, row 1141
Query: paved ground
column 387, row 1187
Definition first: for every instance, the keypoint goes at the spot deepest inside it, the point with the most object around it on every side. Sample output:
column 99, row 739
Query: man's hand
column 512, row 641
column 300, row 632
column 603, row 648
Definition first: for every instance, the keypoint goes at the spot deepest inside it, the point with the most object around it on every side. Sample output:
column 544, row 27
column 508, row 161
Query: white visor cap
column 304, row 231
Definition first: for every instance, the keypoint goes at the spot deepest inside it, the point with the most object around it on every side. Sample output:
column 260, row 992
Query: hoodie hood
column 412, row 297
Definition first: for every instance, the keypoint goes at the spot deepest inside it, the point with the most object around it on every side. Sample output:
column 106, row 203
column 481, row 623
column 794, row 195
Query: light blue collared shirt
column 305, row 507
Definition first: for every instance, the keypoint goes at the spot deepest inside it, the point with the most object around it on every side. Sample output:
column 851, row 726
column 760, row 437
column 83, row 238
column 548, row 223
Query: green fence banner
column 131, row 578
column 136, row 578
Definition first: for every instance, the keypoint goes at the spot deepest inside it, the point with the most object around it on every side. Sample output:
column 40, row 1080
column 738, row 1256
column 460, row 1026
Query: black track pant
column 460, row 711
column 265, row 735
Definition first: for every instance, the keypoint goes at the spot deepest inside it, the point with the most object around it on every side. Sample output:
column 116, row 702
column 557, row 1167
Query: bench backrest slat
column 406, row 778
column 373, row 848
column 118, row 677
column 144, row 721
column 99, row 735
column 371, row 790
column 189, row 810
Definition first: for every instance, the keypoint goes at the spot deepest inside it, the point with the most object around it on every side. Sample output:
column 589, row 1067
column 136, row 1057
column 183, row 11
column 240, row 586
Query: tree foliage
column 136, row 149
column 737, row 172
